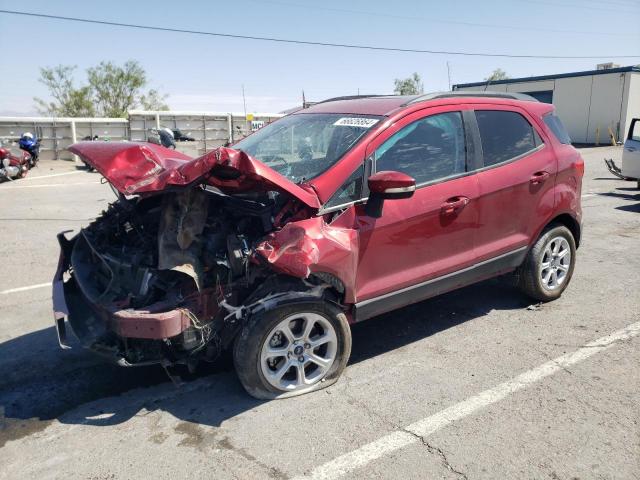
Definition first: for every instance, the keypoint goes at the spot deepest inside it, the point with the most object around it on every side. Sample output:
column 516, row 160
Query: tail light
column 580, row 165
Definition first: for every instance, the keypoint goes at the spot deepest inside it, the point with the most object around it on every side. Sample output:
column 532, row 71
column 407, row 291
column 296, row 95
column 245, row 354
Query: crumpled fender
column 137, row 168
column 311, row 245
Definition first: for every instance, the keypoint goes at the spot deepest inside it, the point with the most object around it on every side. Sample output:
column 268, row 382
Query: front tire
column 549, row 265
column 292, row 349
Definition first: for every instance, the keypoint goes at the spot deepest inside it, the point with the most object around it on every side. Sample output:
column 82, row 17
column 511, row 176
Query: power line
column 439, row 20
column 307, row 42
column 581, row 6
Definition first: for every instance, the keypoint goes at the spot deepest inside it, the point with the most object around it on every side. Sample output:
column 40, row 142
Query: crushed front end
column 146, row 281
column 173, row 269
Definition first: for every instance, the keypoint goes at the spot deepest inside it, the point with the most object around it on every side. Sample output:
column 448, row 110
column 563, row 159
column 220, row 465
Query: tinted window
column 350, row 191
column 504, row 135
column 428, row 149
column 556, row 126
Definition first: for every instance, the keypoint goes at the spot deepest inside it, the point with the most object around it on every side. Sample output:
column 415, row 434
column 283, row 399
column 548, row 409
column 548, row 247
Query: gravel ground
column 64, row 414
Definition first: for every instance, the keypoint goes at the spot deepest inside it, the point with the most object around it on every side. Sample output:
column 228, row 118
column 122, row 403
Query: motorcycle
column 161, row 136
column 13, row 167
column 31, row 145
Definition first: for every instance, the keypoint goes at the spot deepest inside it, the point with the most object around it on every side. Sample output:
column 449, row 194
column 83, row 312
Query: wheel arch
column 569, row 221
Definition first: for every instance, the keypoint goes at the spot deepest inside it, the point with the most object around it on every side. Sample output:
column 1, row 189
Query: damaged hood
column 138, row 168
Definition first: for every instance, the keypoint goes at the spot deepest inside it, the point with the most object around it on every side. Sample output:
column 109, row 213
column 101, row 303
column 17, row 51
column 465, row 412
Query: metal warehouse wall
column 588, row 105
column 210, row 129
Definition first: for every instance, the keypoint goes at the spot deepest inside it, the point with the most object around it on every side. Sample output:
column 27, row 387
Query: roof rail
column 348, row 97
column 466, row 93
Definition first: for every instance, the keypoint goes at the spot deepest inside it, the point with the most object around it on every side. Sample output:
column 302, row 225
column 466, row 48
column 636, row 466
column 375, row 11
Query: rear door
column 631, row 152
column 516, row 180
column 430, row 234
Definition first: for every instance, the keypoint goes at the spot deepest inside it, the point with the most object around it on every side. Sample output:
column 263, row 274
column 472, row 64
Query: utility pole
column 449, row 75
column 244, row 102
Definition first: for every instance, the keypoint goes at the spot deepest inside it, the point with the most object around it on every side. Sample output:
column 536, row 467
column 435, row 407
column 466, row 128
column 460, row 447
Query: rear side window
column 556, row 126
column 505, row 135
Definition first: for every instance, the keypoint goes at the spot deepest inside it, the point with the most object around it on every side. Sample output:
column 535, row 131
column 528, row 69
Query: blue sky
column 206, row 73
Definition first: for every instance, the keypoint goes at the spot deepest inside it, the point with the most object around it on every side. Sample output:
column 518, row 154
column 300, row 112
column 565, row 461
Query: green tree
column 68, row 101
column 115, row 88
column 153, row 100
column 497, row 74
column 409, row 86
column 111, row 91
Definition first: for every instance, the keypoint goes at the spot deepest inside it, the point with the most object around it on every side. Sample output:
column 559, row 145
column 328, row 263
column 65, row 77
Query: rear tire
column 292, row 349
column 549, row 265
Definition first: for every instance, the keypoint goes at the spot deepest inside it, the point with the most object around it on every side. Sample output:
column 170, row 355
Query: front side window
column 350, row 191
column 428, row 149
column 504, row 135
column 302, row 146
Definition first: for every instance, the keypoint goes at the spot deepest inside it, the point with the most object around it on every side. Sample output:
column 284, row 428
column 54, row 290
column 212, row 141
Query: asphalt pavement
column 478, row 383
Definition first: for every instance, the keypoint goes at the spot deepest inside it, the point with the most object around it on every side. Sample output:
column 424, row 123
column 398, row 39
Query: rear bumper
column 110, row 333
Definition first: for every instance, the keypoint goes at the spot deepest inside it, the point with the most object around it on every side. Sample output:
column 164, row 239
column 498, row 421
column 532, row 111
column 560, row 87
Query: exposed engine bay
column 185, row 254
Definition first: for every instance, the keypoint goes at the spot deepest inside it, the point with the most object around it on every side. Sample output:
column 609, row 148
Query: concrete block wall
column 210, row 129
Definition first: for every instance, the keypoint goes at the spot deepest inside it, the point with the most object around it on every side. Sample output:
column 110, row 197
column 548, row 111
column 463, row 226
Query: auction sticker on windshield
column 356, row 122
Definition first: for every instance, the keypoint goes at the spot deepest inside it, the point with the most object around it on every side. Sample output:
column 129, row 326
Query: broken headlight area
column 153, row 278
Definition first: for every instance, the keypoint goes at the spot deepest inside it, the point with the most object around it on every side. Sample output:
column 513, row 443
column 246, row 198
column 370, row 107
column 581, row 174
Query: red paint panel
column 138, row 168
column 311, row 245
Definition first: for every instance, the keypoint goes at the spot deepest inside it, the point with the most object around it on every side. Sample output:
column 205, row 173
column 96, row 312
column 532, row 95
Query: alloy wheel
column 298, row 351
column 555, row 263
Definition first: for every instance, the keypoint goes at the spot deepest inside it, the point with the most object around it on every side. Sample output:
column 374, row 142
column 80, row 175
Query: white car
column 630, row 155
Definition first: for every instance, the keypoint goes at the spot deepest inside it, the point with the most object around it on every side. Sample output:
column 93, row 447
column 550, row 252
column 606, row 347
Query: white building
column 588, row 103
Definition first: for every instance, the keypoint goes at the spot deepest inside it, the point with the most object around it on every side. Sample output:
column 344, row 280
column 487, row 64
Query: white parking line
column 53, row 175
column 14, row 187
column 422, row 428
column 24, row 289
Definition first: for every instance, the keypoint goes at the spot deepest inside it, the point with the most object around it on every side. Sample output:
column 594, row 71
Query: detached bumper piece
column 158, row 334
column 615, row 170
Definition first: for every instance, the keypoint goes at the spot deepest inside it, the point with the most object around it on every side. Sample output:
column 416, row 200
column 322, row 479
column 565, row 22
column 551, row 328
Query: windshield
column 303, row 146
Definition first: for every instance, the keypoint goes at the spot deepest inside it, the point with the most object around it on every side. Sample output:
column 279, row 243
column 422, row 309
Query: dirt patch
column 194, row 435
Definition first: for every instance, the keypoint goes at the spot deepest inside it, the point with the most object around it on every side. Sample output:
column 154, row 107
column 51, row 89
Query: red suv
column 326, row 217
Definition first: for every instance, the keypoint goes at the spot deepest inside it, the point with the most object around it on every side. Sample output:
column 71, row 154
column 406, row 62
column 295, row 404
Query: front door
column 431, row 233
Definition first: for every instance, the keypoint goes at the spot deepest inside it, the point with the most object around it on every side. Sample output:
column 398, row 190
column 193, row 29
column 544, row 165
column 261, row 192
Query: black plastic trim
column 436, row 286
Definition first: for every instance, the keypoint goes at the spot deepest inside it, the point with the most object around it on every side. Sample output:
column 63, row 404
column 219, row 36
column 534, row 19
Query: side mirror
column 387, row 185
